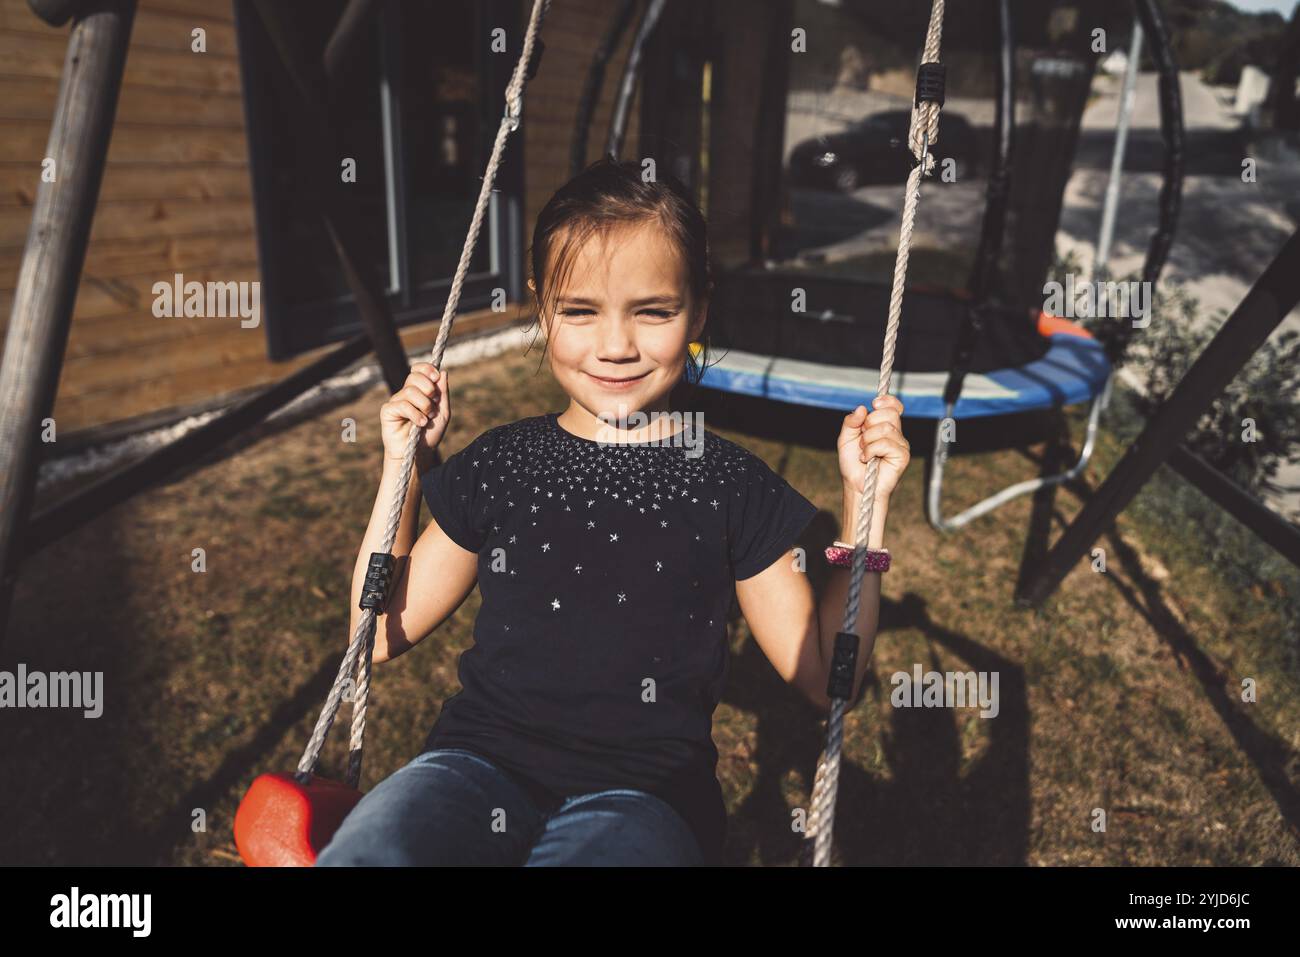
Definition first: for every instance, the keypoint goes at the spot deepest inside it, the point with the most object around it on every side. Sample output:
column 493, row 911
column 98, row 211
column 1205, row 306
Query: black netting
column 843, row 323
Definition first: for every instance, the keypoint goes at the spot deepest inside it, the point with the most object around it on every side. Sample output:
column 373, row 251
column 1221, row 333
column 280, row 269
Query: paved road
column 1202, row 108
column 1228, row 229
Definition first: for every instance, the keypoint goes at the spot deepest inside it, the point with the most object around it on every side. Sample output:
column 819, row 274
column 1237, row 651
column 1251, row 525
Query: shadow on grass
column 927, row 811
column 62, row 778
column 1272, row 757
column 157, row 844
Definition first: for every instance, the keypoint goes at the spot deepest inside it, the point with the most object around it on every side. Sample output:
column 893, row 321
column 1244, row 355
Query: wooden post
column 53, row 257
column 1274, row 295
column 1270, row 527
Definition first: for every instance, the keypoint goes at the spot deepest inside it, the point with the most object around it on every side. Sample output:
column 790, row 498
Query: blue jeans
column 452, row 807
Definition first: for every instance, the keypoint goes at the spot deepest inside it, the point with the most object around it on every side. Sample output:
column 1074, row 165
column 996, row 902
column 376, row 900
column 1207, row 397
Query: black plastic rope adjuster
column 379, row 575
column 845, row 657
column 930, row 83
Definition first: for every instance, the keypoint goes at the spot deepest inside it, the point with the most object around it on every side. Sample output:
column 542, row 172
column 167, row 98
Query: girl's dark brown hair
column 610, row 195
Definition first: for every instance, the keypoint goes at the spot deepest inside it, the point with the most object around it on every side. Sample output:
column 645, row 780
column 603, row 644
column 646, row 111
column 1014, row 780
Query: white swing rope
column 924, row 131
column 364, row 635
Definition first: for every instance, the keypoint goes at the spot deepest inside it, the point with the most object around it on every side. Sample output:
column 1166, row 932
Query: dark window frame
column 294, row 329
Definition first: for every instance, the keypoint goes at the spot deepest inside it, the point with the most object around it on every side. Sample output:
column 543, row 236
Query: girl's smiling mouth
column 624, row 383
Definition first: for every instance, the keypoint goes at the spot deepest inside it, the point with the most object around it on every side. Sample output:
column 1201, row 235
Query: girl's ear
column 537, row 306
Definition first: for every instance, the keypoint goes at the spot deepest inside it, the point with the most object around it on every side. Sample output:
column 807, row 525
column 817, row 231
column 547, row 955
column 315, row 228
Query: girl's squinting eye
column 657, row 313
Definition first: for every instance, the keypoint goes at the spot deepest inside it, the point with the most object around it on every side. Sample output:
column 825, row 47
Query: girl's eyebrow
column 646, row 301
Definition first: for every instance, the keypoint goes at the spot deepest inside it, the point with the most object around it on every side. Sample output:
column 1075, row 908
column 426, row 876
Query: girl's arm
column 796, row 631
column 431, row 579
column 836, row 592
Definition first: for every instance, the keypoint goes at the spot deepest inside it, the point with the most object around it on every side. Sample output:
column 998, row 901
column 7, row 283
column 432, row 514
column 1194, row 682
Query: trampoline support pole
column 939, row 458
column 631, row 75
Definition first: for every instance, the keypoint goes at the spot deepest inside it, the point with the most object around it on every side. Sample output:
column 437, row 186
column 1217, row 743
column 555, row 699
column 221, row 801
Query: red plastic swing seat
column 281, row 823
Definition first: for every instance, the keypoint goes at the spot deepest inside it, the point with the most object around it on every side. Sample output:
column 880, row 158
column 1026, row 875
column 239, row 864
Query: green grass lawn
column 1121, row 694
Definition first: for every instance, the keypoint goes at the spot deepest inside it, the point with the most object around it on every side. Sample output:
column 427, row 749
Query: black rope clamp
column 843, row 661
column 929, row 83
column 379, row 575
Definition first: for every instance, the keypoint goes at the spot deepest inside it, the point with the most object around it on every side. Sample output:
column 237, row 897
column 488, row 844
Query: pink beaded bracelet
column 841, row 555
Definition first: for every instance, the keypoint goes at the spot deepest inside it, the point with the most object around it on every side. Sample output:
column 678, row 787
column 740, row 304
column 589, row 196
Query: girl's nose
column 616, row 340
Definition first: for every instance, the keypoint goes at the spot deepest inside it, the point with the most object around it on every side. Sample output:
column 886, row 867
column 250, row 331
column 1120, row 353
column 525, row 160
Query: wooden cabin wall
column 176, row 197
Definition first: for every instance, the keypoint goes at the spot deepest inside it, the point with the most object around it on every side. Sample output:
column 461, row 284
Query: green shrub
column 1252, row 428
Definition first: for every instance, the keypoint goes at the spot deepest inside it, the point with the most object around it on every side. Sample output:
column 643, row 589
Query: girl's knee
column 617, row 828
column 364, row 847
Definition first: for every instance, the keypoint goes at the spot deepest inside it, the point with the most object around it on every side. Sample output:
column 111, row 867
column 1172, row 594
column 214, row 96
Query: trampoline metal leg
column 933, row 509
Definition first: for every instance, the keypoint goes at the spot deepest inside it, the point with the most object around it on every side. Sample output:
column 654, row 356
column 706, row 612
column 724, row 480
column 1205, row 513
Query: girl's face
column 619, row 334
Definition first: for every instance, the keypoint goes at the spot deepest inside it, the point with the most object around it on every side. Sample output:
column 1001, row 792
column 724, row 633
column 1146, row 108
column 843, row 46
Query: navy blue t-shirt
column 606, row 573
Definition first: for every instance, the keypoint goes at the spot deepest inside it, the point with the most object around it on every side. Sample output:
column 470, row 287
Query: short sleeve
column 455, row 493
column 765, row 520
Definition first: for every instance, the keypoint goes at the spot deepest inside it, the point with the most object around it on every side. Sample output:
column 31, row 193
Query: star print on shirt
column 536, row 460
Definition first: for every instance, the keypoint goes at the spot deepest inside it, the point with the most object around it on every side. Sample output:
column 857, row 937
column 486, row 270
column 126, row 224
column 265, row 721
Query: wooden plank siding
column 177, row 197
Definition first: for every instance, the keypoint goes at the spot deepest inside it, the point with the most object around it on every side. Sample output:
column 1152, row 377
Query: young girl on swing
column 606, row 553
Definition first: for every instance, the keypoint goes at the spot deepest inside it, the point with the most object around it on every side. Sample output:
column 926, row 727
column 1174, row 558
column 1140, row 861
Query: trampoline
column 829, row 354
